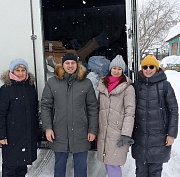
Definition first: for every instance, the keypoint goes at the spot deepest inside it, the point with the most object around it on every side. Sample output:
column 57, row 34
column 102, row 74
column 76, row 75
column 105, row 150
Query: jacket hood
column 120, row 88
column 59, row 71
column 6, row 79
column 157, row 77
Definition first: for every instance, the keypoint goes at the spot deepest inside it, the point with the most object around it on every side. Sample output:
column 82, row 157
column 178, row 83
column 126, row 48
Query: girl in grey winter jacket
column 116, row 117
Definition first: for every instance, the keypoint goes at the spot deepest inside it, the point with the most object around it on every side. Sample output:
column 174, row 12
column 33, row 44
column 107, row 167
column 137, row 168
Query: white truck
column 27, row 24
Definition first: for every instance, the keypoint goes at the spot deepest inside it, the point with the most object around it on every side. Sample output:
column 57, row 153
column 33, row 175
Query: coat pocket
column 82, row 117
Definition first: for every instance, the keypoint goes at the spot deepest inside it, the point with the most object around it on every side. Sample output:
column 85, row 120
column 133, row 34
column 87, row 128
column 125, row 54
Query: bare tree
column 156, row 17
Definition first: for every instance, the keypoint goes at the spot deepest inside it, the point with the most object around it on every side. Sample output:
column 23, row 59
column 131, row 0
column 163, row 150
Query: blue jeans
column 80, row 164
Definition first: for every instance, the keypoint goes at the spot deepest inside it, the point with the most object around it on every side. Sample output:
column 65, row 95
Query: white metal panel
column 128, row 31
column 15, row 36
column 15, row 32
column 39, row 44
column 132, row 35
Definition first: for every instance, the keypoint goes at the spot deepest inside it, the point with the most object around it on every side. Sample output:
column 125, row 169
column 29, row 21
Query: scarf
column 113, row 82
column 13, row 77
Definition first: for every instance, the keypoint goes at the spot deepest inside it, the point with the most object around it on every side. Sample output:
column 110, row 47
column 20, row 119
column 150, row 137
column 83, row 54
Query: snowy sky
column 141, row 2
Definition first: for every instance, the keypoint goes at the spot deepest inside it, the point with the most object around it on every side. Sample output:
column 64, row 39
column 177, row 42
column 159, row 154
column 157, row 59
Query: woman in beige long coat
column 116, row 117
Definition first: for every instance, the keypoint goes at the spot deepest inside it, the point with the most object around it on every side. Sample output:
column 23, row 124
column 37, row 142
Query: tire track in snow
column 42, row 164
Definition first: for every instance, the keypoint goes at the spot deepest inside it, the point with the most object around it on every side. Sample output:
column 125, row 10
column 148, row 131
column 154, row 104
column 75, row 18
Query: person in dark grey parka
column 156, row 120
column 69, row 96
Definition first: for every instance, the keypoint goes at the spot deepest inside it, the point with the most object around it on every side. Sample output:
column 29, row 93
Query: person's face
column 70, row 66
column 116, row 71
column 149, row 70
column 20, row 72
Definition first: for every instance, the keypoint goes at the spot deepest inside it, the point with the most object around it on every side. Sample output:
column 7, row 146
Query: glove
column 124, row 140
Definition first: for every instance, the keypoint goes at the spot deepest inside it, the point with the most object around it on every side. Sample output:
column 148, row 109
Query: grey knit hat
column 16, row 62
column 117, row 61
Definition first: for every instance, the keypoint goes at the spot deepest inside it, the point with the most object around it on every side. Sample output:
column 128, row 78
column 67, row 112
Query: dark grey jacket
column 73, row 101
column 156, row 117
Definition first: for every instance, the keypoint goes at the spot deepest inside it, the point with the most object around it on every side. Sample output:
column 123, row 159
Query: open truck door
column 92, row 28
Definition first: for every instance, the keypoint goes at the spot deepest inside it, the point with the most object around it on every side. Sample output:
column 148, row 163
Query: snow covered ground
column 43, row 166
column 173, row 59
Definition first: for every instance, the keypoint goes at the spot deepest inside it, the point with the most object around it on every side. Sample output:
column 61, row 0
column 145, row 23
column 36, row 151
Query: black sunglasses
column 150, row 67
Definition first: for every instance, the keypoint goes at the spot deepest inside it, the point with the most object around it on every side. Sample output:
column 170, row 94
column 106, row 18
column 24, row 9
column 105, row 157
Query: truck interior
column 91, row 27
column 86, row 27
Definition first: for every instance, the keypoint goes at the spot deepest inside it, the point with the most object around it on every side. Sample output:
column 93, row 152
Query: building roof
column 173, row 32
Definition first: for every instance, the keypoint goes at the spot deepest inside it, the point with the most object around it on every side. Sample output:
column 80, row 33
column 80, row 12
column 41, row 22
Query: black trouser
column 148, row 169
column 18, row 171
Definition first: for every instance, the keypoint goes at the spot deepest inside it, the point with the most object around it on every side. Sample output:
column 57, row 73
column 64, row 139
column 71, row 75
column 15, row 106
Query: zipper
column 160, row 113
column 104, row 153
column 68, row 92
column 163, row 114
column 146, row 122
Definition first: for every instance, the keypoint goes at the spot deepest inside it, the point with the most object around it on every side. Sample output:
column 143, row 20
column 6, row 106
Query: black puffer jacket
column 18, row 121
column 156, row 117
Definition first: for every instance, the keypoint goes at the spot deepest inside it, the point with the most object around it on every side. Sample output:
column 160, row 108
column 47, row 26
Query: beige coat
column 116, row 118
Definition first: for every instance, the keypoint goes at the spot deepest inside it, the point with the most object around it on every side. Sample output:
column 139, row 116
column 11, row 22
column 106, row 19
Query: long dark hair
column 105, row 79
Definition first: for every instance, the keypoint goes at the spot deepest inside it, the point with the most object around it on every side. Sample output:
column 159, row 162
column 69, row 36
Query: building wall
column 174, row 46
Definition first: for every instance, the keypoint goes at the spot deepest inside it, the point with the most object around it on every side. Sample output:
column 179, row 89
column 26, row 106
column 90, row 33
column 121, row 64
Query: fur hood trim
column 6, row 79
column 59, row 71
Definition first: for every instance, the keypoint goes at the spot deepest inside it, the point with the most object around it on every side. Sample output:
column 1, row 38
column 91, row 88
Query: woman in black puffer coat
column 18, row 119
column 156, row 121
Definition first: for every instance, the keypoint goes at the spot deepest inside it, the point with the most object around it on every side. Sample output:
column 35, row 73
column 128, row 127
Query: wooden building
column 174, row 40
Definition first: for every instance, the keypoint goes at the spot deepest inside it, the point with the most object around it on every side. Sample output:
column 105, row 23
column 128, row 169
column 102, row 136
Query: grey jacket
column 72, row 102
column 116, row 118
column 156, row 117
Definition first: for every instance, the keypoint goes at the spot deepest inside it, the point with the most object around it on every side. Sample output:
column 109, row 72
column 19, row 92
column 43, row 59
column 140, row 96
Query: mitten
column 124, row 140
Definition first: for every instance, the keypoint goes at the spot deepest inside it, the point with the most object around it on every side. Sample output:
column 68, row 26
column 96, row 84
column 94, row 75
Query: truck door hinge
column 33, row 37
column 130, row 32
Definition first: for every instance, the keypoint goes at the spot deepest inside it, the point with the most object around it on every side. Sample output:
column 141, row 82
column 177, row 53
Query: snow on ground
column 171, row 169
column 170, row 60
column 44, row 165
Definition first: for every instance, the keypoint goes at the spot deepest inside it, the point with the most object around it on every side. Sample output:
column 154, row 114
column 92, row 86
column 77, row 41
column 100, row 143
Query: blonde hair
column 22, row 66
